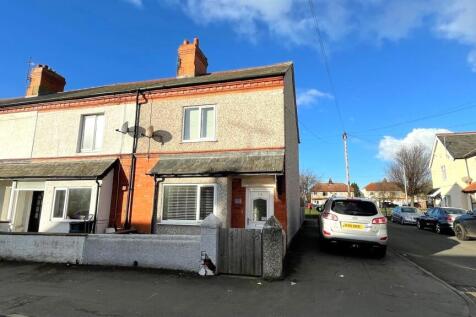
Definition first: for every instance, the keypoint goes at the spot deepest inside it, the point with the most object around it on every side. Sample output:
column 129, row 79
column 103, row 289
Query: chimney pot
column 191, row 60
column 43, row 81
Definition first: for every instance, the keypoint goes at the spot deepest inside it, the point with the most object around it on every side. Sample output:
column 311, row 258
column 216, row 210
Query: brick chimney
column 191, row 60
column 44, row 81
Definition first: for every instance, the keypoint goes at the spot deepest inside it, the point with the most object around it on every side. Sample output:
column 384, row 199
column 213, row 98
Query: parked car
column 440, row 219
column 465, row 226
column 405, row 215
column 354, row 220
column 387, row 204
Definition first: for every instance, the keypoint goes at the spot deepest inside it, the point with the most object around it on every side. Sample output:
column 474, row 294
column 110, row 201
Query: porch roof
column 212, row 164
column 77, row 169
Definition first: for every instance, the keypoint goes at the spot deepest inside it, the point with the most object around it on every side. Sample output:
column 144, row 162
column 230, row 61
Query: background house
column 384, row 191
column 453, row 168
column 320, row 192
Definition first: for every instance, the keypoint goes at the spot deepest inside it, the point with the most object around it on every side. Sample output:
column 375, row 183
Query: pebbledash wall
column 246, row 119
column 51, row 131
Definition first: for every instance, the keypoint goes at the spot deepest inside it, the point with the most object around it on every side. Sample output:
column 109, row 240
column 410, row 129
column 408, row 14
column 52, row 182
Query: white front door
column 259, row 207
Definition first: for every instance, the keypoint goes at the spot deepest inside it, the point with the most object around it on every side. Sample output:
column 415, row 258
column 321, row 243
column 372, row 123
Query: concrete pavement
column 344, row 282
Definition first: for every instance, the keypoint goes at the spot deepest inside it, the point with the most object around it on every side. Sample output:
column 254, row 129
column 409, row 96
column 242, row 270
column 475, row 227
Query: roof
column 459, row 145
column 216, row 77
column 82, row 169
column 254, row 162
column 382, row 187
column 331, row 187
column 471, row 188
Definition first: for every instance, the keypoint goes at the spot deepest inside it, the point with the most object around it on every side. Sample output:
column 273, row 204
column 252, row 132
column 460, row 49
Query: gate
column 240, row 251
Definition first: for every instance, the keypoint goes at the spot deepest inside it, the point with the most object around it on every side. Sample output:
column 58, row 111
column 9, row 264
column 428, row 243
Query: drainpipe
column 133, row 163
column 98, row 186
column 157, row 181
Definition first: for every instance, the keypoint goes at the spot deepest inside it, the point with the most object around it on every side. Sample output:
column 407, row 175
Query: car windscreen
column 455, row 211
column 354, row 207
column 406, row 209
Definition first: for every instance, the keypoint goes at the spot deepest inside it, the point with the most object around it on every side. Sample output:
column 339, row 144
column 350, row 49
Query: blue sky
column 393, row 62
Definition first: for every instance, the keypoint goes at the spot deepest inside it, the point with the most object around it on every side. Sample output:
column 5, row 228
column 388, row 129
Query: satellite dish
column 124, row 128
column 149, row 132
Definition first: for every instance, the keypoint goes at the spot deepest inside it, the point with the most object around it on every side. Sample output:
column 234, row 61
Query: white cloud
column 340, row 20
column 136, row 3
column 311, row 96
column 389, row 145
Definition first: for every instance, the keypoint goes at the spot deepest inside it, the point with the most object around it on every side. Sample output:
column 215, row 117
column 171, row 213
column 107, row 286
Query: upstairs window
column 188, row 202
column 92, row 132
column 199, row 123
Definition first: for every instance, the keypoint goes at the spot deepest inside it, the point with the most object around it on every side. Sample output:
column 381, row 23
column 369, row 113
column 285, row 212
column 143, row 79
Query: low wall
column 176, row 252
column 50, row 248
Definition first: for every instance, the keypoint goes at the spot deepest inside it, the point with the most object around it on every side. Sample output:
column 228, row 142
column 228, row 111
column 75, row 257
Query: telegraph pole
column 346, row 155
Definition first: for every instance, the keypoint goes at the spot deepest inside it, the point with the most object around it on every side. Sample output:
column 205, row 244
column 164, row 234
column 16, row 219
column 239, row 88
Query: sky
column 399, row 70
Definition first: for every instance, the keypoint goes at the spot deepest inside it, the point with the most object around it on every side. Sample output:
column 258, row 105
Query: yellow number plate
column 353, row 226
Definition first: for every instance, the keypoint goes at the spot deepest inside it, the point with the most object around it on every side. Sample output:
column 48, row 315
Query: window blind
column 206, row 201
column 180, row 203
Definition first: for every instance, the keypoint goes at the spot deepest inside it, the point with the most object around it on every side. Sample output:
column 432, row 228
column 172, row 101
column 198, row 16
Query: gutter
column 98, row 186
column 132, row 170
column 134, row 90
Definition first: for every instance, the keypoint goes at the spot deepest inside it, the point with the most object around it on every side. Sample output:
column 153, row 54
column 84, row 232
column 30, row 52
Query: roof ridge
column 158, row 80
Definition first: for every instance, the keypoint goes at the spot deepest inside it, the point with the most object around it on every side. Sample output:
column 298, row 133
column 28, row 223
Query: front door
column 260, row 206
column 35, row 213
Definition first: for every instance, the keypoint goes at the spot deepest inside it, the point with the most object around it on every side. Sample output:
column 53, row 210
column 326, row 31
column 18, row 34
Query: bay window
column 72, row 203
column 188, row 202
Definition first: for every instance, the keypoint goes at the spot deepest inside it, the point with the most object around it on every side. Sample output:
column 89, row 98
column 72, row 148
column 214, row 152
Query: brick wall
column 280, row 211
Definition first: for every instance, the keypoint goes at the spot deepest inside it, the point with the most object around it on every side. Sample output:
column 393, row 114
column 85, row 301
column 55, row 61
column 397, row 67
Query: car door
column 470, row 224
column 432, row 217
column 424, row 218
column 395, row 215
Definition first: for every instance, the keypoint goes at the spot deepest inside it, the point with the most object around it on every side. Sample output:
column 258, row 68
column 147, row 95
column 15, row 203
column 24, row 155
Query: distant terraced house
column 154, row 156
column 320, row 192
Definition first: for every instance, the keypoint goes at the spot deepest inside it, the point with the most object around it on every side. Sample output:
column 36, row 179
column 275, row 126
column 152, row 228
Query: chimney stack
column 44, row 81
column 191, row 60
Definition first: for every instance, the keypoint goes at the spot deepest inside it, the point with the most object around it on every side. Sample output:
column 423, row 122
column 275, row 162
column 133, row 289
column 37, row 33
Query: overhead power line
column 326, row 61
column 431, row 116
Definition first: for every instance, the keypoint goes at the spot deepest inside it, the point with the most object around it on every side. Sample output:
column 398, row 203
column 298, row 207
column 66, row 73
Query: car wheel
column 460, row 233
column 419, row 225
column 438, row 228
column 381, row 252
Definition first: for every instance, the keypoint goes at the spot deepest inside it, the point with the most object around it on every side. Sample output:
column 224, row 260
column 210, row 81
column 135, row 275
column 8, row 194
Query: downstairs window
column 188, row 202
column 72, row 203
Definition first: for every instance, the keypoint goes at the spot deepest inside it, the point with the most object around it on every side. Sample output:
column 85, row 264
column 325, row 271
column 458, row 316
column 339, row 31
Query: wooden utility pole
column 346, row 155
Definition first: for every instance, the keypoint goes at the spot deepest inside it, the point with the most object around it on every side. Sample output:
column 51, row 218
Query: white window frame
column 81, row 133
column 66, row 198
column 197, row 212
column 199, row 139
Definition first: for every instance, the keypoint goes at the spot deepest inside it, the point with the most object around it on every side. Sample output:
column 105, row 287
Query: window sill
column 58, row 220
column 181, row 222
column 199, row 140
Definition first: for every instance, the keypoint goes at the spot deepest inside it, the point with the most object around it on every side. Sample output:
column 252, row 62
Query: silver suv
column 354, row 220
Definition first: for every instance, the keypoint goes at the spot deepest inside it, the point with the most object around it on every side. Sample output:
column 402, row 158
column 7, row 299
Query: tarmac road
column 342, row 282
column 442, row 254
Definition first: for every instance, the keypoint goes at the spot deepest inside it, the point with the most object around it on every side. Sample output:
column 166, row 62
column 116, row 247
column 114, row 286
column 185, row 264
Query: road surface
column 343, row 282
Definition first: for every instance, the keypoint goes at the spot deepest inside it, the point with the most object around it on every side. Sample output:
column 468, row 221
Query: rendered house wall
column 456, row 172
column 294, row 214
